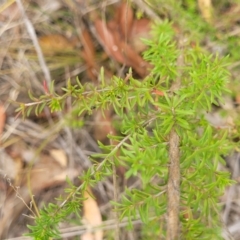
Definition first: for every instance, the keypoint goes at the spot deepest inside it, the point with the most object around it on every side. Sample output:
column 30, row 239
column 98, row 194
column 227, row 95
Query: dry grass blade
column 33, row 36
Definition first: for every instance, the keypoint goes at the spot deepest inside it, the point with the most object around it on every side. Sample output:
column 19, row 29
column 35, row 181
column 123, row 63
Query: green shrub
column 165, row 140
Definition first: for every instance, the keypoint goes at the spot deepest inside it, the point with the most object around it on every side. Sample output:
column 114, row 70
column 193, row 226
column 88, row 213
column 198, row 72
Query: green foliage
column 149, row 110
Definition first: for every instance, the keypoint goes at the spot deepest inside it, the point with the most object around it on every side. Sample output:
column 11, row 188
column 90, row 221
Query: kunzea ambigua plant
column 164, row 140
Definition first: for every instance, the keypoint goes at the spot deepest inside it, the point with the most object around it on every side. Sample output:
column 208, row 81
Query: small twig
column 33, row 36
column 16, row 190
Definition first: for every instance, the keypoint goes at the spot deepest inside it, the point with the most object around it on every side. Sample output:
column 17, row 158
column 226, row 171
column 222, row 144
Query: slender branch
column 94, row 171
column 174, row 175
column 173, row 187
